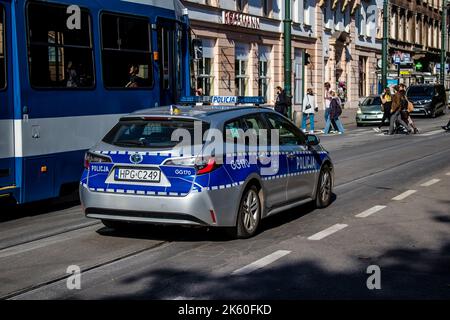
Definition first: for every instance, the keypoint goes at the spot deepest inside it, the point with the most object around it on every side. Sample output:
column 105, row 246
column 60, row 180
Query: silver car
column 369, row 111
column 140, row 174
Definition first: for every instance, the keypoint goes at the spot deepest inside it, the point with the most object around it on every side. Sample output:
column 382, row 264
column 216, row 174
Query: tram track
column 94, row 266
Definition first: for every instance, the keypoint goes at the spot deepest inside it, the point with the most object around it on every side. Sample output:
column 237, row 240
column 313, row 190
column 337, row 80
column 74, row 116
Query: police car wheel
column 324, row 188
column 249, row 215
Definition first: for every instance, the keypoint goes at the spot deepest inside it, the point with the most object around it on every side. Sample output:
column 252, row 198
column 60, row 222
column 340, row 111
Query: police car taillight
column 90, row 157
column 205, row 165
column 202, row 165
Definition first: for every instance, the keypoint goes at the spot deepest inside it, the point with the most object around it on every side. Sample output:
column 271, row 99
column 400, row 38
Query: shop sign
column 240, row 20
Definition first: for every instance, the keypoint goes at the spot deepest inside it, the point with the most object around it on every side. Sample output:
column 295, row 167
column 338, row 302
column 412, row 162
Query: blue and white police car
column 214, row 166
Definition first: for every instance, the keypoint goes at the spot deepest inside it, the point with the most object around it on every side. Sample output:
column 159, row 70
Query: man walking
column 327, row 100
column 281, row 103
column 399, row 102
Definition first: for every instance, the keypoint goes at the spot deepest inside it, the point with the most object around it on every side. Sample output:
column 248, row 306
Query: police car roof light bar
column 222, row 100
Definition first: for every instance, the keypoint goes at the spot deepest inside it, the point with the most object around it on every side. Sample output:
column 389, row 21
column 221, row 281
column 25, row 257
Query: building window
column 241, row 64
column 265, row 7
column 205, row 68
column 240, row 5
column 126, row 51
column 2, row 49
column 362, row 76
column 298, row 77
column 263, row 72
column 59, row 57
column 307, row 13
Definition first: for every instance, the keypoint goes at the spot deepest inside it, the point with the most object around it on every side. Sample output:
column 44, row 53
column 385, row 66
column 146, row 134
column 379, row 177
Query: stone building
column 415, row 36
column 243, row 44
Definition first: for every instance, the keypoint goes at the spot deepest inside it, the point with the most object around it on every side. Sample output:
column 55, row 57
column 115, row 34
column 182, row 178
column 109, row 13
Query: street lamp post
column 287, row 52
column 443, row 41
column 384, row 61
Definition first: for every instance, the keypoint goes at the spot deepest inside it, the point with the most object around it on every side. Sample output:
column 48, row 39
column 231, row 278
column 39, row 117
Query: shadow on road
column 193, row 234
column 406, row 273
column 11, row 211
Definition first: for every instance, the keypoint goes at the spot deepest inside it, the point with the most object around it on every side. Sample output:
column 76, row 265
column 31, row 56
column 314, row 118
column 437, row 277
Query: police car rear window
column 150, row 133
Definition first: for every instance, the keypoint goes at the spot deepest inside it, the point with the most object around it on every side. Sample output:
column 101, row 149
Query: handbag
column 308, row 106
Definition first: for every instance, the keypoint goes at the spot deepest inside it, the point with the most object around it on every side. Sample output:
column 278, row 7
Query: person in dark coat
column 282, row 102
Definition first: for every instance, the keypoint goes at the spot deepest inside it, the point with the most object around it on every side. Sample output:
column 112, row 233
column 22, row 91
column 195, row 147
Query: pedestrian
column 407, row 114
column 71, row 76
column 327, row 101
column 399, row 102
column 335, row 112
column 281, row 102
column 386, row 104
column 309, row 108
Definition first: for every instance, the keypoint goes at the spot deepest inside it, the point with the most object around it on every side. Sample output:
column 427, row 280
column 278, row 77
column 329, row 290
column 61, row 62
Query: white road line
column 404, row 195
column 430, row 183
column 261, row 263
column 325, row 233
column 183, row 298
column 431, row 133
column 447, row 174
column 370, row 211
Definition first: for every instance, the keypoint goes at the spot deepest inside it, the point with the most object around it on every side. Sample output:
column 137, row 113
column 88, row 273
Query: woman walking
column 308, row 110
column 386, row 104
column 335, row 112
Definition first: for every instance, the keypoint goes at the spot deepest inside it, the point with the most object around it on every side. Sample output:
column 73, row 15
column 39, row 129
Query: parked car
column 137, row 173
column 369, row 111
column 429, row 99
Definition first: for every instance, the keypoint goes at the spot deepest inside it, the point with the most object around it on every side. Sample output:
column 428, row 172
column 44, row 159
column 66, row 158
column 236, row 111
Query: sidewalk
column 347, row 118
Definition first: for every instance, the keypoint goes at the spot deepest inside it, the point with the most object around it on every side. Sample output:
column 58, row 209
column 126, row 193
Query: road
column 391, row 210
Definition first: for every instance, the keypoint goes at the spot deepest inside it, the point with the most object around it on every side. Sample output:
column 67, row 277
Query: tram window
column 126, row 52
column 2, row 49
column 59, row 57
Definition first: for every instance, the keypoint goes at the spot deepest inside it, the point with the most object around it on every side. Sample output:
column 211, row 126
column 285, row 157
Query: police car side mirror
column 312, row 140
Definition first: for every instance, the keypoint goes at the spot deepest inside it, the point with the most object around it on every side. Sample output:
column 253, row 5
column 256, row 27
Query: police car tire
column 241, row 232
column 320, row 203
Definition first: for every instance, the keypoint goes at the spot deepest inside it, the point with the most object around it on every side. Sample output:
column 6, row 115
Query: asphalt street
column 391, row 210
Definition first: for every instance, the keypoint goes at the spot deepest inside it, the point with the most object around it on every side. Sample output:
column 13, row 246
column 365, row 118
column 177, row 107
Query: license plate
column 138, row 174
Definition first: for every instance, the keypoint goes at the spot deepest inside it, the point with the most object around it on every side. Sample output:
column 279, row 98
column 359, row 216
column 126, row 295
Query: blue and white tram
column 68, row 70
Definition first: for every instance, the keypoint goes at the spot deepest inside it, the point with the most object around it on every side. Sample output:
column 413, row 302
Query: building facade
column 243, row 44
column 415, row 39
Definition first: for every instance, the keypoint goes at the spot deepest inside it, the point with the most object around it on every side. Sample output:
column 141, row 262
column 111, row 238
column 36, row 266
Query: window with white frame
column 240, row 5
column 328, row 16
column 265, row 5
column 306, row 13
column 205, row 67
column 298, row 76
column 263, row 71
column 362, row 21
column 241, row 66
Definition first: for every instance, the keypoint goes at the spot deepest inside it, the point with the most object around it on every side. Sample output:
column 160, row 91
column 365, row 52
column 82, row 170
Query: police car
column 214, row 166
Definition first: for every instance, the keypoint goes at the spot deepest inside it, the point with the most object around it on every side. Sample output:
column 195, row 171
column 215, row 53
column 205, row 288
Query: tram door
column 6, row 101
column 170, row 61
